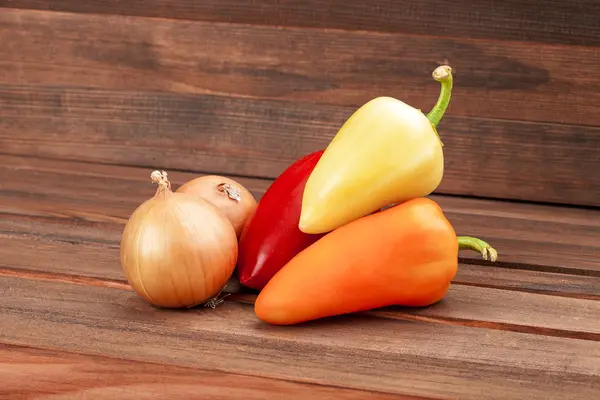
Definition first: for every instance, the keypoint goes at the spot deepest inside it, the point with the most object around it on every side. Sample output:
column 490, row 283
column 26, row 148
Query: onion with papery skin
column 177, row 250
column 229, row 196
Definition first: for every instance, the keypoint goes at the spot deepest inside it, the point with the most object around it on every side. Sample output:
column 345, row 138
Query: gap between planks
column 382, row 313
column 551, row 269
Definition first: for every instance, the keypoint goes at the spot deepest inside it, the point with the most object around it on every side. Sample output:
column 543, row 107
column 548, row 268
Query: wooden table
column 94, row 95
column 526, row 327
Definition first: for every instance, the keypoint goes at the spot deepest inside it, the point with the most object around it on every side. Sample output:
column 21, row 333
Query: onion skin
column 178, row 250
column 212, row 189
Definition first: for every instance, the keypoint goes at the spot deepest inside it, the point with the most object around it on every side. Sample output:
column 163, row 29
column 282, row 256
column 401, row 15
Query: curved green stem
column 478, row 245
column 442, row 74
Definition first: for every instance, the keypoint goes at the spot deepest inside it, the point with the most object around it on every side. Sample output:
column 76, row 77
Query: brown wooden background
column 246, row 87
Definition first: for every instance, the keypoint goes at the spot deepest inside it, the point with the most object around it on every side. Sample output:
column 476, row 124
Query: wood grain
column 49, row 239
column 566, row 317
column 43, row 254
column 426, row 359
column 530, row 236
column 494, row 79
column 577, row 286
column 488, row 19
column 58, row 232
column 87, row 203
column 263, row 137
column 495, row 318
column 56, row 236
column 31, row 373
column 464, row 305
column 70, row 277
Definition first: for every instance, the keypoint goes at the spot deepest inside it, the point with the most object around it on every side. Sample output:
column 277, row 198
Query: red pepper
column 271, row 236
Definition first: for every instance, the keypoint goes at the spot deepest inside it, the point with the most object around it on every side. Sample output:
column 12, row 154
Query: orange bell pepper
column 405, row 255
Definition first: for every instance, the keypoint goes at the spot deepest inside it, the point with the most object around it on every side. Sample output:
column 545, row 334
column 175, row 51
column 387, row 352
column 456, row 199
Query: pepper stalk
column 478, row 245
column 442, row 74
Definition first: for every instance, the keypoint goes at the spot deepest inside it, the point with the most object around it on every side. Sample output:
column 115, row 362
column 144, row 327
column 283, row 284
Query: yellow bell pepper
column 386, row 152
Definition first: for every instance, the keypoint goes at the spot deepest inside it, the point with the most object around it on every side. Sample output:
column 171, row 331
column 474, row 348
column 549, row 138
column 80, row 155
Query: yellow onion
column 177, row 250
column 230, row 197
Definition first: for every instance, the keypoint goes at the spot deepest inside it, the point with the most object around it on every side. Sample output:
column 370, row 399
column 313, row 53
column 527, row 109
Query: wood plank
column 89, row 203
column 530, row 236
column 524, row 312
column 26, row 251
column 419, row 358
column 45, row 241
column 29, row 373
column 583, row 287
column 58, row 219
column 464, row 305
column 21, row 222
column 55, row 238
column 494, row 79
column 460, row 18
column 244, row 137
column 101, row 193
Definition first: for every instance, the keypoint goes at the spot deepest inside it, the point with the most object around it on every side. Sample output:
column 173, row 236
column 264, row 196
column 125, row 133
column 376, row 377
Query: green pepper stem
column 442, row 74
column 478, row 245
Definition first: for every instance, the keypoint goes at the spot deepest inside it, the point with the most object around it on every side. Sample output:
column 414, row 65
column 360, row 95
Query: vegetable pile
column 345, row 229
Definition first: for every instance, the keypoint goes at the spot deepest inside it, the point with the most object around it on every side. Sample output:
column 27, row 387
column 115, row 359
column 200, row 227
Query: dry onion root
column 229, row 196
column 177, row 250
